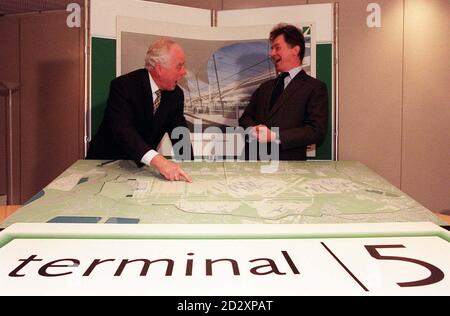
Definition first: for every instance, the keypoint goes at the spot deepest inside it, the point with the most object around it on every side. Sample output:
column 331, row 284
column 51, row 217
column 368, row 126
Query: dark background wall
column 41, row 52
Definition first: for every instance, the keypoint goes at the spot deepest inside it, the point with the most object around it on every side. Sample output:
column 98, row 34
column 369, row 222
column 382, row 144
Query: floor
column 6, row 210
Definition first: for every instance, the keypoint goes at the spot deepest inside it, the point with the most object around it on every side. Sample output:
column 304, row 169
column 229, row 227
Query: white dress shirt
column 292, row 73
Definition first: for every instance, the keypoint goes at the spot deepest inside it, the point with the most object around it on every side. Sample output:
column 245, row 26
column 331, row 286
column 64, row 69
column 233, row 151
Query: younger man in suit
column 142, row 106
column 294, row 102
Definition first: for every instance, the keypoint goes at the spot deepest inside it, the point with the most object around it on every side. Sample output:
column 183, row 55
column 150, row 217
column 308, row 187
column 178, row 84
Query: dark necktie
column 279, row 87
column 157, row 101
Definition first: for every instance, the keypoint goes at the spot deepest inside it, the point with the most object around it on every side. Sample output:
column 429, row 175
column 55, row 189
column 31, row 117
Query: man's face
column 174, row 71
column 283, row 56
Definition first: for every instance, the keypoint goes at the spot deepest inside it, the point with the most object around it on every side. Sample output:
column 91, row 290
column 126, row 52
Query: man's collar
column 294, row 71
column 153, row 84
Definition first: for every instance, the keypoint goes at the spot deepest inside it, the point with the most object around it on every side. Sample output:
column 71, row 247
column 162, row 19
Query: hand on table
column 169, row 169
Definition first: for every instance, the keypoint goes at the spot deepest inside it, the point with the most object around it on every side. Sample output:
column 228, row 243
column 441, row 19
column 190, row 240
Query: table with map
column 222, row 192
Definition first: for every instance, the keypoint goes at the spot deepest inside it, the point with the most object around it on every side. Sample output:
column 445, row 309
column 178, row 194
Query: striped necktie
column 157, row 101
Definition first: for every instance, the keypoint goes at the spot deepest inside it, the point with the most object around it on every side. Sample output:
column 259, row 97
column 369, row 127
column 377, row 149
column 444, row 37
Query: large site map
column 222, row 192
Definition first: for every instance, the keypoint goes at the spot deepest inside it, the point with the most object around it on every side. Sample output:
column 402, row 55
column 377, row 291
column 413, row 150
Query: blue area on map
column 122, row 220
column 35, row 197
column 75, row 219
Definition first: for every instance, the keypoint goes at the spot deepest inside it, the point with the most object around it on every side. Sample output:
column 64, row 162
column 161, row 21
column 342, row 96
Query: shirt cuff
column 149, row 155
column 277, row 138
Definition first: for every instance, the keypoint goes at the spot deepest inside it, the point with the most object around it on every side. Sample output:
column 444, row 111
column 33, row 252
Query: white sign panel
column 328, row 266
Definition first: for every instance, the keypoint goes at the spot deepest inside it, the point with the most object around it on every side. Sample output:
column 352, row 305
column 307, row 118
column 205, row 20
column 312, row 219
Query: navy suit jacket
column 129, row 128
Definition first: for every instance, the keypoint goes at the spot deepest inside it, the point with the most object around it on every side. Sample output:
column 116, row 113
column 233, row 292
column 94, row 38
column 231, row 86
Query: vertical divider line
column 345, row 268
column 335, row 72
column 402, row 96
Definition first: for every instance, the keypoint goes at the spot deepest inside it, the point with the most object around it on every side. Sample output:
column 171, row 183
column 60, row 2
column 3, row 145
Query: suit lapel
column 148, row 99
column 292, row 87
column 266, row 98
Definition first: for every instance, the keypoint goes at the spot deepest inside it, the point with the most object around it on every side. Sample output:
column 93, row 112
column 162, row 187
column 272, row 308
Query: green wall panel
column 103, row 71
column 324, row 68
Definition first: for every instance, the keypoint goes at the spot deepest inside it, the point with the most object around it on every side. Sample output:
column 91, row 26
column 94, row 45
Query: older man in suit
column 294, row 102
column 142, row 106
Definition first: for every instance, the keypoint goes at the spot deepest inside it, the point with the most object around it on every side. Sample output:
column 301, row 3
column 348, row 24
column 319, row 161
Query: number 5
column 436, row 273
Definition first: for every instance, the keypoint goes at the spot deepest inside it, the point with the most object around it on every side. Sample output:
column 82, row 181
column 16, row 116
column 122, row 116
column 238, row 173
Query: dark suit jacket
column 129, row 129
column 301, row 113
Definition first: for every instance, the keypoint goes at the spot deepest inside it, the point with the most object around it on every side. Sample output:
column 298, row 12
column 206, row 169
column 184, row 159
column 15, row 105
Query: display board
column 224, row 260
column 218, row 86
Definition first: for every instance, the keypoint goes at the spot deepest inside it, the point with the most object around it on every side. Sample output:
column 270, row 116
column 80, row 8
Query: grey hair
column 158, row 53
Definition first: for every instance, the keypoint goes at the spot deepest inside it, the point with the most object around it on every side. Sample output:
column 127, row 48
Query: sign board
column 225, row 260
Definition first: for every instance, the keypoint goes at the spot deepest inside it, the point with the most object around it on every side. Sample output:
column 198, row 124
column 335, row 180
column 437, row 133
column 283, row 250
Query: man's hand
column 169, row 170
column 264, row 134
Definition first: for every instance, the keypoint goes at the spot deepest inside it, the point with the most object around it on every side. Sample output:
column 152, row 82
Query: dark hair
column 292, row 35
